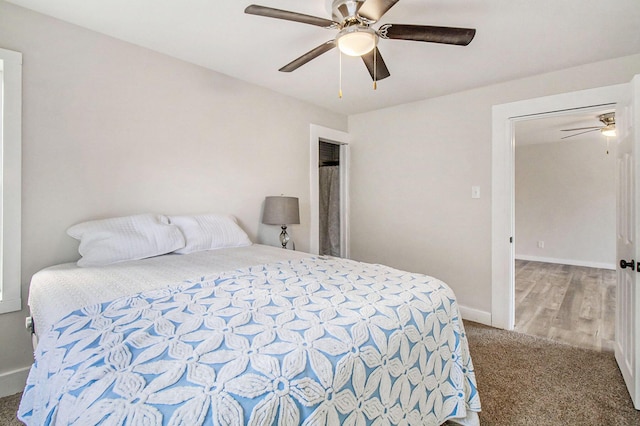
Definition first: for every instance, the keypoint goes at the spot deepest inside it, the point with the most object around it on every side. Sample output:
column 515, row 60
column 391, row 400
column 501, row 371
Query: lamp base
column 284, row 237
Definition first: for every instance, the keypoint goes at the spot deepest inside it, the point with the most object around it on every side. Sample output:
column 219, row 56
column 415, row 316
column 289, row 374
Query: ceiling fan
column 356, row 37
column 608, row 129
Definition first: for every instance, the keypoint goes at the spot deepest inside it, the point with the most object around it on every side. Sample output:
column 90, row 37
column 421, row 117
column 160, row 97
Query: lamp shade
column 281, row 211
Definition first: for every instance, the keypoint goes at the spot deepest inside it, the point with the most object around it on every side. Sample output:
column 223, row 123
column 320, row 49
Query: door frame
column 324, row 134
column 10, row 181
column 504, row 117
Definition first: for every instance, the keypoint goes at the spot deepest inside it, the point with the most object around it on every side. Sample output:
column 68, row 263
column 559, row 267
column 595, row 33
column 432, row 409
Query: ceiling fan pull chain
column 340, row 89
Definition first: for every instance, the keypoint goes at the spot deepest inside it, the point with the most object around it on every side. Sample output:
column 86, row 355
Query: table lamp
column 281, row 211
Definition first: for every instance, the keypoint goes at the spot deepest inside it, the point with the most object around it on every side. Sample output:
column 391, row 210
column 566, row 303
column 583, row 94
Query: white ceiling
column 514, row 39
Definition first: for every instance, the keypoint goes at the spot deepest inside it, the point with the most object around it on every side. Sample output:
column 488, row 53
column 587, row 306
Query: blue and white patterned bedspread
column 314, row 341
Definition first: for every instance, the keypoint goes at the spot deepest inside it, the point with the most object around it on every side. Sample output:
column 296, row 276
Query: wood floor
column 573, row 304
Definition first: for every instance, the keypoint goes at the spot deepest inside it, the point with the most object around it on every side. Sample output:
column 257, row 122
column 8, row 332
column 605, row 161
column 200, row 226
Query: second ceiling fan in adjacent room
column 608, row 127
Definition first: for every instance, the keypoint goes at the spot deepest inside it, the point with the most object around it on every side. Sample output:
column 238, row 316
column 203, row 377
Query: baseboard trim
column 475, row 315
column 13, row 382
column 571, row 262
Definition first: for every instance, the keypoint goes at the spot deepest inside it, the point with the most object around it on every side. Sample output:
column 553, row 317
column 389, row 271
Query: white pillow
column 209, row 231
column 107, row 241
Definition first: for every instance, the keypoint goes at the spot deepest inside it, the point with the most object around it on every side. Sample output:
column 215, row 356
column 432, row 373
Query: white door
column 627, row 345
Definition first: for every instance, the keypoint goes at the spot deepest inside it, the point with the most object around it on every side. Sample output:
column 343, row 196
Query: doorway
column 329, row 192
column 504, row 120
column 565, row 227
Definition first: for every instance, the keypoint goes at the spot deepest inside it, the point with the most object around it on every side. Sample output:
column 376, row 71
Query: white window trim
column 11, row 175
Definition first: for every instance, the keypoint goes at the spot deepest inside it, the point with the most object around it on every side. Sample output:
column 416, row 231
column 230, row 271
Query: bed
column 246, row 335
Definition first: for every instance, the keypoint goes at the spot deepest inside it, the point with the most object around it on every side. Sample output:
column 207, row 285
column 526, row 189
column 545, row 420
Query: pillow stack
column 108, row 241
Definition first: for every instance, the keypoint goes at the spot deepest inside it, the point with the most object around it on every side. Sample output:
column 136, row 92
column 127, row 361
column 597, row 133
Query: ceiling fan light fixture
column 356, row 40
column 609, row 130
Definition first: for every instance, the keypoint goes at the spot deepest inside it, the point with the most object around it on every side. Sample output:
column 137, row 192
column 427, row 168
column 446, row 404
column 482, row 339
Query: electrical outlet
column 540, row 244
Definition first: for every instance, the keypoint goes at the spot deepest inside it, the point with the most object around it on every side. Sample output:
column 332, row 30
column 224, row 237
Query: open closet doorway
column 329, row 194
column 329, row 169
column 565, row 227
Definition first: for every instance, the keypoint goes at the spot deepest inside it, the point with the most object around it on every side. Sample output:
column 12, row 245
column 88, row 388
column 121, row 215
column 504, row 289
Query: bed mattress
column 60, row 289
column 255, row 335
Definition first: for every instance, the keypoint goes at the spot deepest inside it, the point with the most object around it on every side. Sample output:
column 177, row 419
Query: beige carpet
column 525, row 380
column 8, row 410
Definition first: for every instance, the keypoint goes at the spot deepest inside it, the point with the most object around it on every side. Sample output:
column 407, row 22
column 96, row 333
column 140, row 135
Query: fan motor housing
column 346, row 10
column 608, row 118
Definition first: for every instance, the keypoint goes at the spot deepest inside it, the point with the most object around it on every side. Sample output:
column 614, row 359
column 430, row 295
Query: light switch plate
column 475, row 192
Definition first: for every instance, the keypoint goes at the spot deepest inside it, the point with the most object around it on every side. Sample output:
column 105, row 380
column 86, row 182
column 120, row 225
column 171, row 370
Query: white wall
column 565, row 196
column 110, row 128
column 413, row 167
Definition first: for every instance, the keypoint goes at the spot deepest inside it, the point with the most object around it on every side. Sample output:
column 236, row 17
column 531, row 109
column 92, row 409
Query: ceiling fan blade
column 581, row 133
column 378, row 69
column 372, row 10
column 312, row 54
column 270, row 12
column 446, row 35
column 580, row 128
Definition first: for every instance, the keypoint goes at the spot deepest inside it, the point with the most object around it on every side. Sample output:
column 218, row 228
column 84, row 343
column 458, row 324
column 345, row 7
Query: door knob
column 625, row 264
